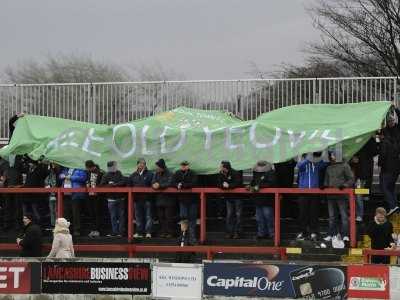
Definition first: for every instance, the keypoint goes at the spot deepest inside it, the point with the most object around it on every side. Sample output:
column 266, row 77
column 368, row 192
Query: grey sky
column 203, row 39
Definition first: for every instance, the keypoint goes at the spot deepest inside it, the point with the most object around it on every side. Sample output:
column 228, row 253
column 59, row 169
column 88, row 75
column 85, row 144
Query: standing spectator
column 62, row 246
column 263, row 176
column 338, row 175
column 183, row 179
column 31, row 240
column 116, row 202
column 310, row 172
column 229, row 179
column 284, row 179
column 166, row 205
column 95, row 202
column 12, row 123
column 389, row 162
column 12, row 205
column 380, row 231
column 53, row 181
column 35, row 177
column 74, row 178
column 142, row 177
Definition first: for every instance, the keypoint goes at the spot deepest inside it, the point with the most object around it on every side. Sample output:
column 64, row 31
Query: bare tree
column 362, row 34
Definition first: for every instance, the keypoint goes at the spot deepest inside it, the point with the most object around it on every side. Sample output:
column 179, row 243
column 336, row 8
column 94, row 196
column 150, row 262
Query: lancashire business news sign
column 281, row 281
column 96, row 278
column 19, row 277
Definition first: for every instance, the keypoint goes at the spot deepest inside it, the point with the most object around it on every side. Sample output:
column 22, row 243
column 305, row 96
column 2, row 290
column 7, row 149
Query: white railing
column 115, row 102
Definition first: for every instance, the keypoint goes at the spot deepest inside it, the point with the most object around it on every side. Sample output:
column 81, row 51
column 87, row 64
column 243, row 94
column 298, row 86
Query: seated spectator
column 31, row 239
column 263, row 176
column 380, row 231
column 116, row 202
column 73, row 178
column 52, row 181
column 166, row 205
column 311, row 169
column 229, row 178
column 95, row 202
column 62, row 246
column 338, row 175
column 183, row 179
column 142, row 177
column 35, row 177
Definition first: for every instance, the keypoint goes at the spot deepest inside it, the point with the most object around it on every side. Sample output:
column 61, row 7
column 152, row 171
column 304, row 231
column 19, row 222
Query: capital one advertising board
column 96, row 278
column 19, row 277
column 280, row 281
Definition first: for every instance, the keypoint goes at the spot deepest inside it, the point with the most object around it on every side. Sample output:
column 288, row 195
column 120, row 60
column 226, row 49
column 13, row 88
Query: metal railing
column 202, row 194
column 110, row 103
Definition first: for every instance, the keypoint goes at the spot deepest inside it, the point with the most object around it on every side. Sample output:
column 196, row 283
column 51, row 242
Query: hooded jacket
column 78, row 180
column 142, row 179
column 310, row 173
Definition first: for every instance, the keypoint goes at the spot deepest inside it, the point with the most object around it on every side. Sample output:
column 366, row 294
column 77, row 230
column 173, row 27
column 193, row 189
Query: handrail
column 203, row 192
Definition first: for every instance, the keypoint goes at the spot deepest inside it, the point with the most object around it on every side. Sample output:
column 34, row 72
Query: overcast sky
column 203, row 39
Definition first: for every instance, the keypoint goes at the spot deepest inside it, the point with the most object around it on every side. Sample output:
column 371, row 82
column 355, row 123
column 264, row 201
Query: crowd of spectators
column 314, row 170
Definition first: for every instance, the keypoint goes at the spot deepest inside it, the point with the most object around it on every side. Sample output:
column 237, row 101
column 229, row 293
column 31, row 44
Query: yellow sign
column 361, row 191
column 293, row 250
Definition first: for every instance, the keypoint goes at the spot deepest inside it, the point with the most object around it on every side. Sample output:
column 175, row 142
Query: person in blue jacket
column 73, row 178
column 310, row 175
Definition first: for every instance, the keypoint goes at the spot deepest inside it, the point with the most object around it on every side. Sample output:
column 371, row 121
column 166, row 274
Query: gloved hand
column 322, row 187
column 342, row 187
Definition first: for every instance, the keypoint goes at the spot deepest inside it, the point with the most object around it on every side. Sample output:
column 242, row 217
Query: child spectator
column 380, row 230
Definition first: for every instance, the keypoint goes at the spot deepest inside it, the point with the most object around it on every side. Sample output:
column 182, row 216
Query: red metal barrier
column 202, row 192
column 367, row 253
column 131, row 249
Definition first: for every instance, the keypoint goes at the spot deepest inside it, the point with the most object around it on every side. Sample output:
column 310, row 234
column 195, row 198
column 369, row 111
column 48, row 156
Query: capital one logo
column 10, row 277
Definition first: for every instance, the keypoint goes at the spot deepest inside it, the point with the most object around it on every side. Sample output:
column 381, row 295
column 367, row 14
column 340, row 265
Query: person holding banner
column 62, row 246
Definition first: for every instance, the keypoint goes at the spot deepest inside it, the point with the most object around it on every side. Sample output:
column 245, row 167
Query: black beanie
column 161, row 164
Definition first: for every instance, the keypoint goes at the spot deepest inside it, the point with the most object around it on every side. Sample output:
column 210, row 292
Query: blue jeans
column 188, row 210
column 388, row 187
column 265, row 221
column 338, row 205
column 117, row 214
column 143, row 216
column 233, row 216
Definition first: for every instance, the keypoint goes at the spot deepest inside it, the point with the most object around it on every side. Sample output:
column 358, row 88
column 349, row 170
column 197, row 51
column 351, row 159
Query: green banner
column 202, row 137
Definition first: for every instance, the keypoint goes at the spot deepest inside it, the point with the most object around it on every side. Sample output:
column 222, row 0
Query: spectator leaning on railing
column 228, row 178
column 95, row 203
column 116, row 202
column 165, row 203
column 183, row 179
column 142, row 177
column 338, row 175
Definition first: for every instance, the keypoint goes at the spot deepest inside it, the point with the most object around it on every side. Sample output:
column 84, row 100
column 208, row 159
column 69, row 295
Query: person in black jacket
column 380, row 231
column 31, row 239
column 35, row 178
column 12, row 123
column 263, row 176
column 185, row 239
column 389, row 161
column 142, row 177
column 183, row 179
column 95, row 202
column 115, row 201
column 228, row 178
column 166, row 205
column 12, row 203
